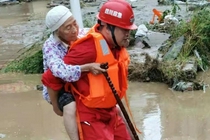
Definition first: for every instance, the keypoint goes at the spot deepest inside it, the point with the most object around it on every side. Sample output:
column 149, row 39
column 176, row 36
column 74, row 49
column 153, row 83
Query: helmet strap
column 112, row 28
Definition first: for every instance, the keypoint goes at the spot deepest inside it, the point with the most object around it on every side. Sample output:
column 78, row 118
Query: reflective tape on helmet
column 113, row 13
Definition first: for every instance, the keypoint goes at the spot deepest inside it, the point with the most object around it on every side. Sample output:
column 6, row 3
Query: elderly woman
column 64, row 30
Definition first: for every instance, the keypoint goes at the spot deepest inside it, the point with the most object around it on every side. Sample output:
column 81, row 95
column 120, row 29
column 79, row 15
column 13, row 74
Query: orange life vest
column 101, row 95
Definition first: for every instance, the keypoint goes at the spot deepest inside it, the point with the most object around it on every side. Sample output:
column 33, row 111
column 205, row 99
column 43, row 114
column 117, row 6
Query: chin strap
column 112, row 28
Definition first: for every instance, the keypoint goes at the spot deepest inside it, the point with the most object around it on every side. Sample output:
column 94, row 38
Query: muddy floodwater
column 159, row 112
column 24, row 114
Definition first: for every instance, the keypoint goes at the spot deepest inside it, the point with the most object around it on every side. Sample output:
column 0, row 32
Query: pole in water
column 125, row 114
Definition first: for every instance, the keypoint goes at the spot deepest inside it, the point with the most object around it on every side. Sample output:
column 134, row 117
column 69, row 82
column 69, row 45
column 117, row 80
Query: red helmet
column 118, row 13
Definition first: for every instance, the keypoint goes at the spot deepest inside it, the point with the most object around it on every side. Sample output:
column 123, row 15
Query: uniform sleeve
column 57, row 66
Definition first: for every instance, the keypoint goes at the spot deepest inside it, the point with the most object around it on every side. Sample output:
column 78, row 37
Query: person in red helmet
column 106, row 42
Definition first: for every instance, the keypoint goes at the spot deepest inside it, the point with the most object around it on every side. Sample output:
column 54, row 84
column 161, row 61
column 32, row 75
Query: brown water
column 166, row 115
column 160, row 113
column 10, row 15
column 24, row 113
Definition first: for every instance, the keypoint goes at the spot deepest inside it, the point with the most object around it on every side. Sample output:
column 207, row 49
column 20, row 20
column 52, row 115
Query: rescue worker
column 64, row 30
column 105, row 42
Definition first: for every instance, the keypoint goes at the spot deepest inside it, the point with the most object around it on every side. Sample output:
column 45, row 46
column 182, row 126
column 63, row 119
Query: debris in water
column 2, row 136
column 183, row 86
column 39, row 87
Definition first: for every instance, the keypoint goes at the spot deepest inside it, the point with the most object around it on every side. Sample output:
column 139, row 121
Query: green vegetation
column 30, row 62
column 197, row 36
column 195, row 51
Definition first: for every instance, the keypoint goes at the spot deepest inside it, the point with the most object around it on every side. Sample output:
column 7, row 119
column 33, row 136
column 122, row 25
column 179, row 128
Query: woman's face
column 69, row 30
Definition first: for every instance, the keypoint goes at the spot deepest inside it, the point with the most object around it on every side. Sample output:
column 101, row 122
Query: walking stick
column 105, row 66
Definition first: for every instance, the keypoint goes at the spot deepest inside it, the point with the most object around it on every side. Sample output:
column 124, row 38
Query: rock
column 174, row 50
column 156, row 38
column 149, row 45
column 153, row 39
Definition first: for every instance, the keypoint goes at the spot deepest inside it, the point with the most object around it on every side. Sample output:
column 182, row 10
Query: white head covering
column 56, row 17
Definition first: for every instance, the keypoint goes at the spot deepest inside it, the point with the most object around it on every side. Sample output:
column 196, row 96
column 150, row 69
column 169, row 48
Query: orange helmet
column 118, row 13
